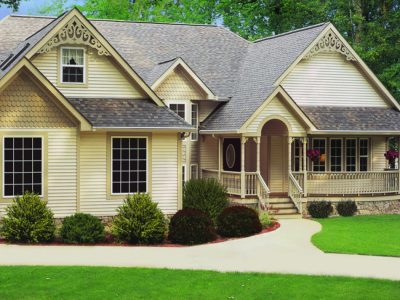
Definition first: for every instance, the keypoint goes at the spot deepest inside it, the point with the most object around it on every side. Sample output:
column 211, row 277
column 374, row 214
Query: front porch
column 275, row 164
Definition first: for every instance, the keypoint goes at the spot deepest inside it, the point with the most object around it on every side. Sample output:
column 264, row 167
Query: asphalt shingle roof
column 353, row 118
column 132, row 113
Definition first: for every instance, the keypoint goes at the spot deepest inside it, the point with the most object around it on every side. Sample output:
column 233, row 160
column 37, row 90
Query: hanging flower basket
column 313, row 154
column 391, row 156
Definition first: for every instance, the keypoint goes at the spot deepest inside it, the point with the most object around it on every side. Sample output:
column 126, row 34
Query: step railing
column 295, row 192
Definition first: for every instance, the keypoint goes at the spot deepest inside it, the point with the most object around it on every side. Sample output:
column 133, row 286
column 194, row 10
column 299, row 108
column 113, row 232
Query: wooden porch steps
column 283, row 208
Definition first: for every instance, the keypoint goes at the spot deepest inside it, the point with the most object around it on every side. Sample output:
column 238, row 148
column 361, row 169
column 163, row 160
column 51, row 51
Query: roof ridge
column 291, row 31
column 32, row 16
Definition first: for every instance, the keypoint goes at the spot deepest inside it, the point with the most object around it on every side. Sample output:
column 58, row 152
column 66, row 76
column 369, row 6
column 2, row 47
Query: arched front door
column 274, row 156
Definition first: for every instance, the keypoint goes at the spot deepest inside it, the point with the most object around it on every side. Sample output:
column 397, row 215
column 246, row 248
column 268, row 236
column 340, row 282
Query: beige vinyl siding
column 62, row 171
column 329, row 79
column 93, row 174
column 165, row 172
column 209, row 153
column 179, row 86
column 277, row 158
column 61, row 166
column 379, row 162
column 104, row 79
column 275, row 109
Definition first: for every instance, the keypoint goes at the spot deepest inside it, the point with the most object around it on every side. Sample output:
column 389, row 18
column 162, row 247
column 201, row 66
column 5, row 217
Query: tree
column 14, row 4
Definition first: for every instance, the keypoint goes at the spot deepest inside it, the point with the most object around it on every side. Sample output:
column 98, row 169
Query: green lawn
column 371, row 235
column 132, row 283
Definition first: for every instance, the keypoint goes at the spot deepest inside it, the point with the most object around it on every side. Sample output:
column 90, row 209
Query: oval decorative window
column 230, row 156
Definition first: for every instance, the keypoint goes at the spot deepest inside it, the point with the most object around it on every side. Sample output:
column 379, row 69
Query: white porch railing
column 295, row 191
column 254, row 183
column 352, row 183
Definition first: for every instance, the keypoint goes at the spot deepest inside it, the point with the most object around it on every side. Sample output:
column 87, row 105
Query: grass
column 369, row 235
column 136, row 283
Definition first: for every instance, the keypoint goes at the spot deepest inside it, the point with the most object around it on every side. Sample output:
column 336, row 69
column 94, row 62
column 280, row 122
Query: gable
column 179, row 86
column 332, row 79
column 275, row 109
column 103, row 78
column 24, row 105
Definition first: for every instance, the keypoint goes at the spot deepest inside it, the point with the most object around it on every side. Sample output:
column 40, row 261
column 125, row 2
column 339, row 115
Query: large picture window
column 129, row 165
column 72, row 65
column 22, row 165
column 351, row 155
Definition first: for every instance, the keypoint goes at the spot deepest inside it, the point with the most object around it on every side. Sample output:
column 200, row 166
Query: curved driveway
column 286, row 250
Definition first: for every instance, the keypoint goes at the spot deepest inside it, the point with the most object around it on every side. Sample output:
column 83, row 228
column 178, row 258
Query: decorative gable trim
column 74, row 32
column 330, row 42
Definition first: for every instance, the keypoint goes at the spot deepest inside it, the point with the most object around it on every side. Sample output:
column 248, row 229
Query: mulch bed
column 110, row 242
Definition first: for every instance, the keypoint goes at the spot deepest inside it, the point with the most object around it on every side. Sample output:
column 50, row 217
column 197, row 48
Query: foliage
column 14, row 4
column 207, row 195
column 139, row 221
column 319, row 209
column 369, row 235
column 346, row 208
column 265, row 220
column 371, row 27
column 191, row 226
column 82, row 228
column 28, row 220
column 238, row 221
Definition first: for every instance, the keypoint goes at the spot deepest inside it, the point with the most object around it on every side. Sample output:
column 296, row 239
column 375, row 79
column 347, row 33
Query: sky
column 27, row 7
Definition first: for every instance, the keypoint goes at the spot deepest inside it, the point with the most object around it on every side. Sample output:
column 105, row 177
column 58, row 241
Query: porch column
column 219, row 158
column 305, row 166
column 258, row 143
column 243, row 141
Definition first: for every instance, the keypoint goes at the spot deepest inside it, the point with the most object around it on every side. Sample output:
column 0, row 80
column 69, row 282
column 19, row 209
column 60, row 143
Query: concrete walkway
column 286, row 250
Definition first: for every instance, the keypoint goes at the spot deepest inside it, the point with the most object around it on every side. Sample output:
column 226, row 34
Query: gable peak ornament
column 74, row 32
column 330, row 42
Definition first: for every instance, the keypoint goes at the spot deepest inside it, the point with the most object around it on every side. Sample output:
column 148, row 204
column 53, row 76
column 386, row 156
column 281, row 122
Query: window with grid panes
column 336, row 155
column 72, row 65
column 195, row 120
column 320, row 144
column 179, row 109
column 22, row 169
column 129, row 165
column 363, row 156
column 351, row 155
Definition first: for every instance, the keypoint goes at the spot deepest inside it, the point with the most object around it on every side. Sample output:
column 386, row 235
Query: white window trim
column 62, row 65
column 368, row 156
column 197, row 119
column 197, row 171
column 345, row 154
column 300, row 156
column 111, row 163
column 4, row 163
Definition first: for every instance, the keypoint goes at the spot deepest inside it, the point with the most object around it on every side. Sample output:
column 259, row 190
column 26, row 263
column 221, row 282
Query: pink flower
column 313, row 154
column 391, row 155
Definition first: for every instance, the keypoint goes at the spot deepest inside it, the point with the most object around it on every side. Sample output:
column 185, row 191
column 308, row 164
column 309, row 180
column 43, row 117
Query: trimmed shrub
column 82, row 228
column 28, row 220
column 139, row 221
column 207, row 195
column 320, row 209
column 346, row 208
column 265, row 220
column 238, row 221
column 191, row 226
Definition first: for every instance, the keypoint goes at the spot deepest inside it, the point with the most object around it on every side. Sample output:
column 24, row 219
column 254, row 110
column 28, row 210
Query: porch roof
column 339, row 118
column 128, row 113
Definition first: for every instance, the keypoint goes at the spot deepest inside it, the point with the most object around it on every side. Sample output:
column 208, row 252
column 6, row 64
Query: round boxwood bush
column 139, row 221
column 238, row 221
column 320, row 209
column 207, row 195
column 82, row 228
column 346, row 208
column 191, row 226
column 28, row 220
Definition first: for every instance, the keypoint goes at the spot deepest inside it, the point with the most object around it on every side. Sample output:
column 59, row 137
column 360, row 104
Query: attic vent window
column 72, row 65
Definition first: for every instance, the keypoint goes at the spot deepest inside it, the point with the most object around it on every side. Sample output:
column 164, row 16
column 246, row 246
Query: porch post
column 219, row 158
column 242, row 168
column 258, row 143
column 305, row 166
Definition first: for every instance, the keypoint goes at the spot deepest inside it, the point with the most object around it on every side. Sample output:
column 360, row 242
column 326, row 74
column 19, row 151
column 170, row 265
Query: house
column 93, row 110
